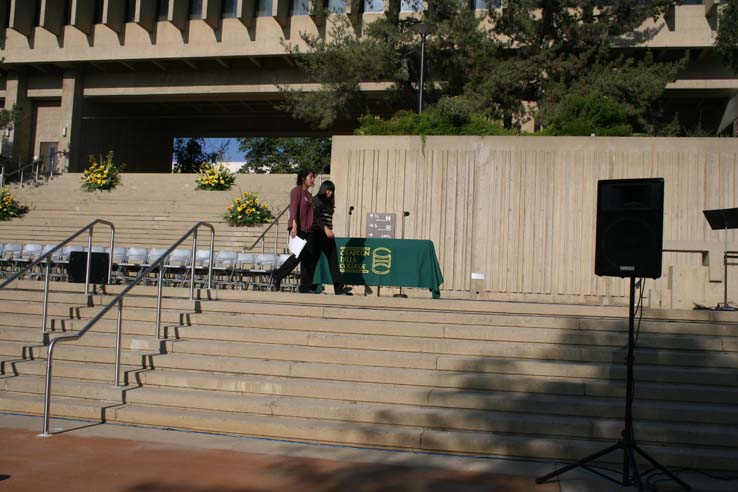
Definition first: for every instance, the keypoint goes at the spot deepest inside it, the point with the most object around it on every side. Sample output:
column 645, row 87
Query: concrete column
column 178, row 14
column 83, row 15
column 71, row 119
column 355, row 10
column 114, row 14
column 22, row 16
column 246, row 12
column 145, row 15
column 51, row 16
column 211, row 12
column 4, row 12
column 20, row 138
column 281, row 12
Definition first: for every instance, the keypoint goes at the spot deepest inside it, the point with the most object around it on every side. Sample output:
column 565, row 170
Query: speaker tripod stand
column 631, row 474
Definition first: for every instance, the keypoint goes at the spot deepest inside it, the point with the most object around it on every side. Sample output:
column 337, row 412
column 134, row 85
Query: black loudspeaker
column 630, row 227
column 98, row 267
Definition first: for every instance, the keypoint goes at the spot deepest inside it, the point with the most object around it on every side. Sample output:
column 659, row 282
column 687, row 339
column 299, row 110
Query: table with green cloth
column 385, row 263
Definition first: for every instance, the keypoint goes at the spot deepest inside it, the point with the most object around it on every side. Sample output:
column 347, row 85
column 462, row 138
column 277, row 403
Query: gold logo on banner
column 381, row 261
column 351, row 259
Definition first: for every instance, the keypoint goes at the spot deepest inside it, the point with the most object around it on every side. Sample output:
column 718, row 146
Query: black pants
column 307, row 261
column 327, row 245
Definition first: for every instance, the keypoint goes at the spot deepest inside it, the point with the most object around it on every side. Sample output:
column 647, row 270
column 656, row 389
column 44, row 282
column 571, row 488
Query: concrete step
column 406, row 437
column 487, row 420
column 33, row 404
column 436, row 396
column 60, row 386
column 75, row 352
column 98, row 372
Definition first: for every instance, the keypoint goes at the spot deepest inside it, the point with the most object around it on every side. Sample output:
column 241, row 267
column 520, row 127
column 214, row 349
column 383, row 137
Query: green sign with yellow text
column 385, row 262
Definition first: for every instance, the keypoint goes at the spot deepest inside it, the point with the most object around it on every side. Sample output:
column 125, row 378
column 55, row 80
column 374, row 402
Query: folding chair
column 224, row 267
column 133, row 261
column 264, row 264
column 244, row 262
column 7, row 257
column 62, row 261
column 202, row 263
column 177, row 266
column 119, row 255
column 28, row 253
column 290, row 282
column 153, row 255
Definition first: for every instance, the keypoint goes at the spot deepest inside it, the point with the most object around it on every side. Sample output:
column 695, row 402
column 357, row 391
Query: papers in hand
column 296, row 244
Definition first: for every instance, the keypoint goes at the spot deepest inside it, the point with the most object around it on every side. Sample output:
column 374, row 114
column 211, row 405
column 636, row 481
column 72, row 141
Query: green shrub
column 9, row 208
column 584, row 115
column 451, row 116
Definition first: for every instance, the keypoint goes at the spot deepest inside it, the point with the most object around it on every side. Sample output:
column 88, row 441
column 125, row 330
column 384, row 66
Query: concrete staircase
column 148, row 210
column 512, row 379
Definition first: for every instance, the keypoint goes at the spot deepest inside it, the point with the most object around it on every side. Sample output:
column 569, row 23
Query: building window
column 264, row 8
column 228, row 9
column 162, row 12
column 299, row 7
column 487, row 4
column 373, row 5
column 130, row 10
column 195, row 9
column 337, row 6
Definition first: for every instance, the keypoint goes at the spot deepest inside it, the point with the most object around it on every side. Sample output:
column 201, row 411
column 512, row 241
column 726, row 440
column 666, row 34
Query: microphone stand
column 404, row 215
column 348, row 222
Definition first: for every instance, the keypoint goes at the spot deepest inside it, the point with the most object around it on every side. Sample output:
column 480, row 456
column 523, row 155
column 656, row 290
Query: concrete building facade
column 130, row 75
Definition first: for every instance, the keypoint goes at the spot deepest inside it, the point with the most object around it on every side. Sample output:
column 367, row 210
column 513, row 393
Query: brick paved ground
column 66, row 462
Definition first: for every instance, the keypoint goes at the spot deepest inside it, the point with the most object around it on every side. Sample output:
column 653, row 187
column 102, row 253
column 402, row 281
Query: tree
column 191, row 153
column 727, row 36
column 285, row 155
column 7, row 117
column 510, row 65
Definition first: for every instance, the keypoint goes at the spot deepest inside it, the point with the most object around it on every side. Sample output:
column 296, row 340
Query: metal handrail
column 35, row 165
column 276, row 222
column 19, row 170
column 119, row 301
column 47, row 256
column 262, row 237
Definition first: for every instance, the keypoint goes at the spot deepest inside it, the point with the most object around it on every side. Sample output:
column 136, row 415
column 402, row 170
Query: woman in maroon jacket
column 300, row 224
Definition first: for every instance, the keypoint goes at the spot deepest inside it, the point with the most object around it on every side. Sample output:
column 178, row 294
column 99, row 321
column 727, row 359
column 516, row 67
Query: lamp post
column 424, row 29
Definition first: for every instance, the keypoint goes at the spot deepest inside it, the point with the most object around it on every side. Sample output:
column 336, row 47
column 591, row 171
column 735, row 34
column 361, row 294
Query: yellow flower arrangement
column 247, row 210
column 102, row 174
column 9, row 208
column 213, row 177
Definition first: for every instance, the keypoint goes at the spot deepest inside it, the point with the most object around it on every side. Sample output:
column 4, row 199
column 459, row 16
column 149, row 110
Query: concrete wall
column 521, row 210
column 48, row 124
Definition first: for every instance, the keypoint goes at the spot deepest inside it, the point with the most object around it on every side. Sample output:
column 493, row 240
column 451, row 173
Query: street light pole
column 424, row 30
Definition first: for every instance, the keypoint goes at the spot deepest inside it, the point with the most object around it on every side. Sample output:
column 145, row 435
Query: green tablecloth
column 385, row 262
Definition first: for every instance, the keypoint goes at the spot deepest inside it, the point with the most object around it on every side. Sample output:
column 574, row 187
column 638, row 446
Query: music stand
column 725, row 218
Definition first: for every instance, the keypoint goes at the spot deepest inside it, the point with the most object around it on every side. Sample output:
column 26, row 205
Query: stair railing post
column 194, row 259
column 210, row 260
column 118, row 333
column 46, row 297
column 111, row 256
column 158, row 300
column 47, row 391
column 89, row 257
column 37, row 164
column 276, row 237
column 2, row 175
column 20, row 170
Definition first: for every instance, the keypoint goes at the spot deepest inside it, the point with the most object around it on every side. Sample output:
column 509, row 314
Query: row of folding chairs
column 231, row 269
